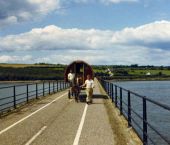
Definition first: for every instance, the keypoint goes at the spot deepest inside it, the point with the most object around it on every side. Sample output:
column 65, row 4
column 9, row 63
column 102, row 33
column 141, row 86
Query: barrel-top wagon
column 80, row 70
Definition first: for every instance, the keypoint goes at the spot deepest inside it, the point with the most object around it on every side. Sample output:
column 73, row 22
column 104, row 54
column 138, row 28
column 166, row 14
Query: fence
column 122, row 98
column 12, row 96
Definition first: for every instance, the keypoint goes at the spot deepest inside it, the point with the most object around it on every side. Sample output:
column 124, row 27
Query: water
column 7, row 92
column 158, row 117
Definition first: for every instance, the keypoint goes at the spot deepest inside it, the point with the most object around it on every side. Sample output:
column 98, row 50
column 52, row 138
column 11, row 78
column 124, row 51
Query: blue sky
column 97, row 31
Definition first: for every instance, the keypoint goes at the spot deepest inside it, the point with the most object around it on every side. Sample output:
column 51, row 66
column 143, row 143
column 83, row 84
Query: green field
column 10, row 72
column 14, row 72
column 152, row 72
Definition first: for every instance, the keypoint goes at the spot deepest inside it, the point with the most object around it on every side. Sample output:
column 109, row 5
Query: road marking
column 76, row 140
column 9, row 127
column 36, row 135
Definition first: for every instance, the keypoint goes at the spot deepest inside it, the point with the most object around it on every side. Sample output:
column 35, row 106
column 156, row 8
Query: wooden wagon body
column 80, row 69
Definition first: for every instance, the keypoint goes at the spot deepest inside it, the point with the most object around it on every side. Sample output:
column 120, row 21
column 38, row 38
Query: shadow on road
column 82, row 97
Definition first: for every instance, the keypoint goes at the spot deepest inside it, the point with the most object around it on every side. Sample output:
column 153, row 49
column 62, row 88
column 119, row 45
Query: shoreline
column 18, row 81
column 123, row 80
column 33, row 81
column 138, row 79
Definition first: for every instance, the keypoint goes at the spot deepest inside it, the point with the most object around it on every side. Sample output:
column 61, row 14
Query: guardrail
column 118, row 94
column 12, row 96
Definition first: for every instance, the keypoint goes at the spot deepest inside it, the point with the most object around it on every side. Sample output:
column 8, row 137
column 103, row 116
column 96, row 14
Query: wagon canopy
column 79, row 68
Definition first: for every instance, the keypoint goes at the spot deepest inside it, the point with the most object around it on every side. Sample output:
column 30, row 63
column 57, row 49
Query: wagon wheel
column 69, row 94
column 76, row 96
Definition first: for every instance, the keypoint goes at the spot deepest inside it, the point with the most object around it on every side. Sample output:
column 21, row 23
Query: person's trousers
column 89, row 93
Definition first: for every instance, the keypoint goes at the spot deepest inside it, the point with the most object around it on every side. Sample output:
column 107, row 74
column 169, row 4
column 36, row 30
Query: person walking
column 89, row 85
column 71, row 79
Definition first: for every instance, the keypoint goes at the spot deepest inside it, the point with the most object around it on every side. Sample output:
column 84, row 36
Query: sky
column 108, row 32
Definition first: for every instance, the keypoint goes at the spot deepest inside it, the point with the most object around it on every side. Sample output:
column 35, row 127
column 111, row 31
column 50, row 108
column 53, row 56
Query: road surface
column 56, row 120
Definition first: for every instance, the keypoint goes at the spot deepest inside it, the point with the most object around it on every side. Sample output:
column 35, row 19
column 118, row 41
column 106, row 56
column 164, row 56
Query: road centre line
column 76, row 140
column 36, row 135
column 11, row 126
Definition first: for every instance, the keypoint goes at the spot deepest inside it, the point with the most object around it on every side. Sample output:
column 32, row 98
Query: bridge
column 45, row 116
column 56, row 120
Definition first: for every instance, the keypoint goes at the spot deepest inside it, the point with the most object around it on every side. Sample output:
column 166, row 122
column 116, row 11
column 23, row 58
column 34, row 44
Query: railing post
column 145, row 139
column 53, row 87
column 27, row 94
column 43, row 90
column 49, row 88
column 120, row 101
column 36, row 91
column 57, row 85
column 104, row 86
column 108, row 92
column 129, row 110
column 60, row 85
column 116, row 96
column 14, row 90
column 112, row 93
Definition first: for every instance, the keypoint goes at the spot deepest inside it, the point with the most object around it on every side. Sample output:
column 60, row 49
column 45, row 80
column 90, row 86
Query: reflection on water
column 158, row 117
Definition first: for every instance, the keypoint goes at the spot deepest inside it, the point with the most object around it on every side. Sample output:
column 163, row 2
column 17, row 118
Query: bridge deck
column 55, row 120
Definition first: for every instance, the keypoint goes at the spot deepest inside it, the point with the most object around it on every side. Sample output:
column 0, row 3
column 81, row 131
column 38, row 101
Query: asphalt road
column 56, row 120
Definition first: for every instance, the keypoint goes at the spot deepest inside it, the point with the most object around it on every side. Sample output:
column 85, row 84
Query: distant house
column 109, row 72
column 148, row 73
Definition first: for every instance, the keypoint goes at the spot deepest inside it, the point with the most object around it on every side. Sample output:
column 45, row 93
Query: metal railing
column 125, row 106
column 12, row 96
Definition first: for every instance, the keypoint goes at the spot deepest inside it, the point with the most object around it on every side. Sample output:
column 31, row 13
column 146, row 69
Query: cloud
column 153, row 35
column 15, row 11
column 103, row 1
column 55, row 38
column 16, row 59
column 145, row 44
column 117, row 1
column 156, row 35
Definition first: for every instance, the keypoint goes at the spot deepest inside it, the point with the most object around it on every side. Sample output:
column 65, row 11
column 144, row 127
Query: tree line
column 31, row 73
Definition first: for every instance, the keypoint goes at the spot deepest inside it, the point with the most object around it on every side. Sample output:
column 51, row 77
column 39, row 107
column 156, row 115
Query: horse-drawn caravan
column 76, row 73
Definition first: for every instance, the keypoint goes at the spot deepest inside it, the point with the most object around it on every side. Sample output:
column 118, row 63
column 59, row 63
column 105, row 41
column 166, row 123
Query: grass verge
column 122, row 134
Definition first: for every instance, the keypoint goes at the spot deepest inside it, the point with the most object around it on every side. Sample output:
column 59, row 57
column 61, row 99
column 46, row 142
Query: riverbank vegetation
column 134, row 72
column 42, row 71
column 20, row 72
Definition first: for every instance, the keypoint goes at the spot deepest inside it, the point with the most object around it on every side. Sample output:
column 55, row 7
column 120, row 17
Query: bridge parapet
column 137, row 118
column 11, row 97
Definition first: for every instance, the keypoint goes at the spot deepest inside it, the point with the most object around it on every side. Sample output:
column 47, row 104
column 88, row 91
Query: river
column 7, row 92
column 157, row 116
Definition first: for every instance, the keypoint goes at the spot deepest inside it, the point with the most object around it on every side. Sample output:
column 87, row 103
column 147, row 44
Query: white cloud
column 103, row 1
column 16, row 59
column 14, row 11
column 55, row 38
column 140, row 45
column 117, row 1
column 155, row 34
